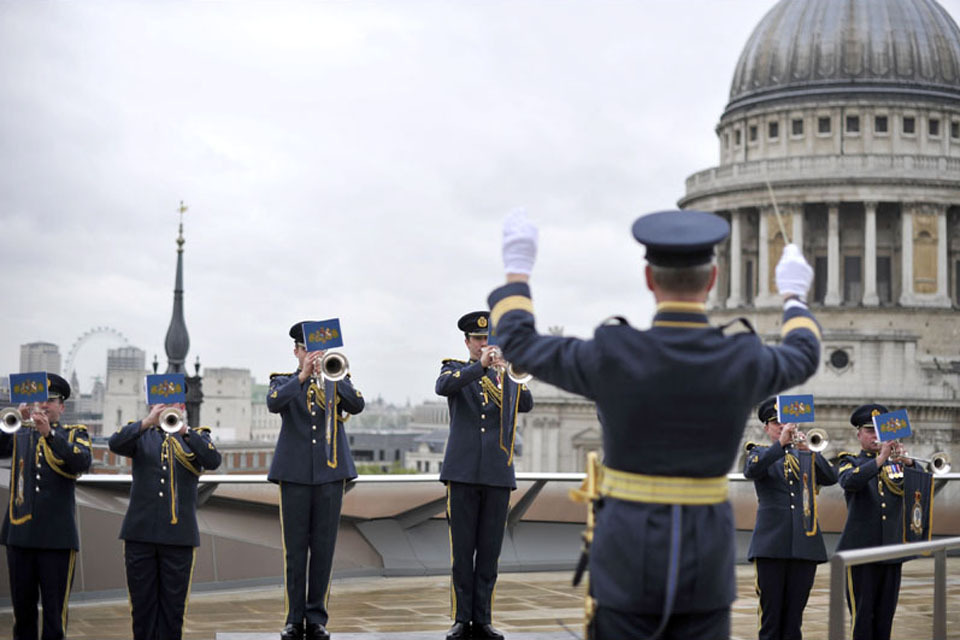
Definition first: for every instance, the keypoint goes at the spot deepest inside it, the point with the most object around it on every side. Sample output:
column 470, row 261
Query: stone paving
column 537, row 604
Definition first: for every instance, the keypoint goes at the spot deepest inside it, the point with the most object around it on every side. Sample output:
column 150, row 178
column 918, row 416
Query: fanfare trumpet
column 939, row 462
column 10, row 421
column 171, row 420
column 333, row 366
column 518, row 376
column 816, row 439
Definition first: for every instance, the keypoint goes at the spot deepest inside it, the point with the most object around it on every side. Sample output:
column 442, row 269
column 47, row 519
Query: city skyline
column 343, row 160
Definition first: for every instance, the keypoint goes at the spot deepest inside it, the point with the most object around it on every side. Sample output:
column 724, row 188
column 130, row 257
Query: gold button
column 161, row 480
column 483, row 430
column 884, row 516
column 161, row 494
column 482, row 416
column 793, row 506
column 314, row 427
column 883, row 504
column 38, row 489
column 792, row 494
column 38, row 476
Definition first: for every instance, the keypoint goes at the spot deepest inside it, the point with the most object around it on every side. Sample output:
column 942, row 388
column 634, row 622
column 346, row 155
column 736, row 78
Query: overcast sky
column 342, row 159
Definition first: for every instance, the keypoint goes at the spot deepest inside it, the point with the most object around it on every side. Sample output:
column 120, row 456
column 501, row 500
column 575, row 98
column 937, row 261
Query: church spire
column 177, row 343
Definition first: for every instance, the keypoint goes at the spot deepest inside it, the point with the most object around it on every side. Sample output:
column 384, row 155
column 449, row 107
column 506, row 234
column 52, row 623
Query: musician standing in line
column 663, row 548
column 160, row 530
column 873, row 482
column 787, row 544
column 479, row 473
column 312, row 475
column 40, row 525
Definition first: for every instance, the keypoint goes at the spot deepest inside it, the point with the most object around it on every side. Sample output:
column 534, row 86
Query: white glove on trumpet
column 519, row 243
column 794, row 274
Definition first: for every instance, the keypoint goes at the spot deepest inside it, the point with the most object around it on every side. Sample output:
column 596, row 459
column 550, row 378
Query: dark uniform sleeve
column 6, row 445
column 569, row 363
column 351, row 400
column 72, row 445
column 283, row 389
column 199, row 443
column 453, row 377
column 124, row 442
column 526, row 400
column 759, row 460
column 796, row 358
column 853, row 478
column 826, row 473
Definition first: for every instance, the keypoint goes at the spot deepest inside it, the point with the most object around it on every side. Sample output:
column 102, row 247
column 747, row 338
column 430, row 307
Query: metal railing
column 842, row 560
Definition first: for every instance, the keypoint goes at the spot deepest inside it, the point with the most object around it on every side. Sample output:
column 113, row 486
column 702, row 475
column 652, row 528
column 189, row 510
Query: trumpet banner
column 917, row 504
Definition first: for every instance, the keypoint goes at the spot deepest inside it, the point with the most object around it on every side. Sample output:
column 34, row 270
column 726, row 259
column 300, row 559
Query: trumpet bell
column 171, row 420
column 520, row 377
column 817, row 440
column 10, row 421
column 940, row 463
column 334, row 366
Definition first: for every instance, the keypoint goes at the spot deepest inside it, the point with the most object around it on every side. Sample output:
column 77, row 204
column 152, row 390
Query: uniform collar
column 868, row 454
column 682, row 315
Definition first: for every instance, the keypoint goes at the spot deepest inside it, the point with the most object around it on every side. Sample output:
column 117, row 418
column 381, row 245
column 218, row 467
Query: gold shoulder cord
column 490, row 387
column 895, row 486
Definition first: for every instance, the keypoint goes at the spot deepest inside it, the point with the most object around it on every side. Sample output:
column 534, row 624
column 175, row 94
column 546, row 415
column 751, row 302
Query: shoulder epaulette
column 201, row 429
column 73, row 426
column 750, row 445
column 735, row 321
column 846, row 453
column 447, row 360
column 615, row 321
column 279, row 375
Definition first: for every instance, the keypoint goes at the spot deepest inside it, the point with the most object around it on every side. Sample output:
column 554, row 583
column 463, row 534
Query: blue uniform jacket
column 672, row 401
column 41, row 513
column 478, row 450
column 300, row 455
column 779, row 531
column 163, row 496
column 874, row 511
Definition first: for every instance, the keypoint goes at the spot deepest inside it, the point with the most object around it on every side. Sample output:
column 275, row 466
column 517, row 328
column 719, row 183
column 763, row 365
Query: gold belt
column 637, row 487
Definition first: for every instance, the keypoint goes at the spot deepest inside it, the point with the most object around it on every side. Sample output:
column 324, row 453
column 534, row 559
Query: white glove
column 519, row 243
column 794, row 274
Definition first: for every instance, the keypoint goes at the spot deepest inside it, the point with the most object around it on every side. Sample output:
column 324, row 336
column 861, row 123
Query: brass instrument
column 171, row 420
column 518, row 376
column 816, row 439
column 334, row 366
column 10, row 421
column 939, row 462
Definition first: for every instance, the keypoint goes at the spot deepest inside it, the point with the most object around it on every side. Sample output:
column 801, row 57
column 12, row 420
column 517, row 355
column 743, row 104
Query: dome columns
column 906, row 263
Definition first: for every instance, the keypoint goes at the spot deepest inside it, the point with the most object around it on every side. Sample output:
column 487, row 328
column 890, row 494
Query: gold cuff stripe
column 685, row 307
column 637, row 487
column 800, row 322
column 510, row 303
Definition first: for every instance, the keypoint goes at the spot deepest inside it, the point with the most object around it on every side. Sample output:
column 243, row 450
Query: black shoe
column 459, row 631
column 292, row 631
column 316, row 631
column 485, row 632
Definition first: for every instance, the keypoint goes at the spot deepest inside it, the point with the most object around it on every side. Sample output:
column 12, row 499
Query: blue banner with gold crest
column 28, row 387
column 795, row 409
column 892, row 426
column 322, row 335
column 917, row 504
column 166, row 388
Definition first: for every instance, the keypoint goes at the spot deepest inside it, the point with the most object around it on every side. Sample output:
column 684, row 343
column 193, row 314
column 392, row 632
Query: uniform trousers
column 158, row 581
column 875, row 589
column 476, row 517
column 43, row 575
column 611, row 624
column 783, row 586
column 310, row 519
